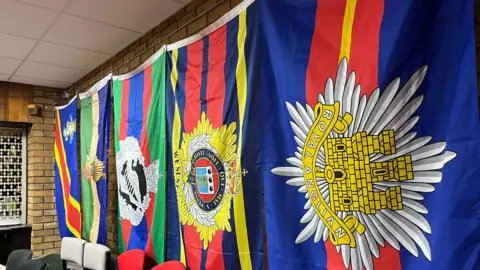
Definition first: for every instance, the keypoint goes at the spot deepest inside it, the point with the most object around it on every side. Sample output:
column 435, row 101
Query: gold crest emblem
column 363, row 170
column 93, row 169
column 70, row 129
column 206, row 178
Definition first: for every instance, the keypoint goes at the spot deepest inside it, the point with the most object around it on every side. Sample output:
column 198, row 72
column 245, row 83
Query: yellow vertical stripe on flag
column 238, row 201
column 72, row 229
column 347, row 29
column 69, row 226
column 72, row 200
column 177, row 125
column 92, row 158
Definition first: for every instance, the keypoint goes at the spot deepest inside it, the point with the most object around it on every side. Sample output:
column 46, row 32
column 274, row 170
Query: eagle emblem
column 135, row 180
column 206, row 178
column 362, row 168
column 70, row 129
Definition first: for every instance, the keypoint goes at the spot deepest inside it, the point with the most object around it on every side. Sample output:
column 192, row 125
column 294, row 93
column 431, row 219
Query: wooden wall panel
column 19, row 96
column 3, row 101
column 14, row 100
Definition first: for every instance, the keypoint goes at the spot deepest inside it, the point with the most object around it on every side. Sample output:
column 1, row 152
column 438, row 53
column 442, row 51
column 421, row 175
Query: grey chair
column 71, row 253
column 96, row 257
column 31, row 265
column 17, row 257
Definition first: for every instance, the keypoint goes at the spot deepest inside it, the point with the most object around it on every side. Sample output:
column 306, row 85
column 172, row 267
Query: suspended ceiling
column 56, row 42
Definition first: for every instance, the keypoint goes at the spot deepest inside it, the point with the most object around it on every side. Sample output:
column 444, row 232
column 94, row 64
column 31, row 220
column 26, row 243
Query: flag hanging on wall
column 370, row 122
column 94, row 140
column 213, row 126
column 67, row 186
column 140, row 143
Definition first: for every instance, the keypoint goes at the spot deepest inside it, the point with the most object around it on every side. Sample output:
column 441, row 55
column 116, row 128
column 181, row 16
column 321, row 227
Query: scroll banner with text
column 371, row 136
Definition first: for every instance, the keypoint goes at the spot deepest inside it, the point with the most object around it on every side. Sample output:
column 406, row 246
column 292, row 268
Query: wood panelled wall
column 14, row 100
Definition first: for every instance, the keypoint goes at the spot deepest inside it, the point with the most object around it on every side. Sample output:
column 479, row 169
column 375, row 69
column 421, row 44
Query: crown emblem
column 207, row 178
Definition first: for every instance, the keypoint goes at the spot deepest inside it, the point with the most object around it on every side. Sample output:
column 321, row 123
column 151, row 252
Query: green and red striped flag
column 140, row 145
column 94, row 141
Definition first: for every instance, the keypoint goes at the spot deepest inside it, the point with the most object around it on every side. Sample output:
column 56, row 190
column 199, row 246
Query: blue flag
column 94, row 139
column 213, row 121
column 370, row 134
column 67, row 186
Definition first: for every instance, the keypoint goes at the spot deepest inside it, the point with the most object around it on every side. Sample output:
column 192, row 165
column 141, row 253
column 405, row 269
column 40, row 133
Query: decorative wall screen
column 12, row 176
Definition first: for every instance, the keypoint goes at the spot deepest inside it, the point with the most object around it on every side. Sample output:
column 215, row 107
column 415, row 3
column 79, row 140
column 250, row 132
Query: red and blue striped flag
column 67, row 184
column 370, row 132
column 214, row 176
column 139, row 122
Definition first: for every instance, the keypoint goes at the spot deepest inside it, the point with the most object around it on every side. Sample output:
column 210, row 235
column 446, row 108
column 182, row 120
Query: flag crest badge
column 206, row 178
column 70, row 129
column 362, row 169
column 135, row 180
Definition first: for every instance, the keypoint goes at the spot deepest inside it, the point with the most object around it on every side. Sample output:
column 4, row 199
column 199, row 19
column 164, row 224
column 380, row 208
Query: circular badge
column 207, row 179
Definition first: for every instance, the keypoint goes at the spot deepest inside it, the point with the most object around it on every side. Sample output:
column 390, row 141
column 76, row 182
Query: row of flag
column 347, row 129
column 82, row 202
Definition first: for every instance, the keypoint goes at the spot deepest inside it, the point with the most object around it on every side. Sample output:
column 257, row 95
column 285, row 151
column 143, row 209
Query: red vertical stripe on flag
column 144, row 147
column 150, row 261
column 325, row 48
column 364, row 60
column 389, row 258
column 72, row 214
column 122, row 134
column 147, row 96
column 217, row 52
column 215, row 253
column 191, row 116
column 193, row 82
column 365, row 43
column 334, row 259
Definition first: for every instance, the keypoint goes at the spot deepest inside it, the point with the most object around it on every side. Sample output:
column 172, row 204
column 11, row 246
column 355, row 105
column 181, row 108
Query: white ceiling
column 56, row 42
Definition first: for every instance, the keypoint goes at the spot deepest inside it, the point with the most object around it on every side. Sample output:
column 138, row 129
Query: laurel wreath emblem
column 220, row 141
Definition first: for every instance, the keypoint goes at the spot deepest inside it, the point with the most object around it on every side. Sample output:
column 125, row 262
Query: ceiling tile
column 15, row 47
column 24, row 20
column 8, row 65
column 61, row 55
column 139, row 16
column 40, row 82
column 4, row 77
column 82, row 33
column 49, row 72
column 51, row 4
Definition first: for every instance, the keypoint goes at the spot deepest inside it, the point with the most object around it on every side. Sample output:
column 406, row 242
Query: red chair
column 171, row 265
column 131, row 260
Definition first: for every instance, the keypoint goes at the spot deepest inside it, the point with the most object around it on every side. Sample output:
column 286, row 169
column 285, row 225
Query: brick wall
column 41, row 213
column 179, row 26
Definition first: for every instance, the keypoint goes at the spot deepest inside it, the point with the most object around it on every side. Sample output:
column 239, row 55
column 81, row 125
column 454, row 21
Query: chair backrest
column 131, row 260
column 18, row 256
column 96, row 256
column 72, row 252
column 170, row 265
column 31, row 265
